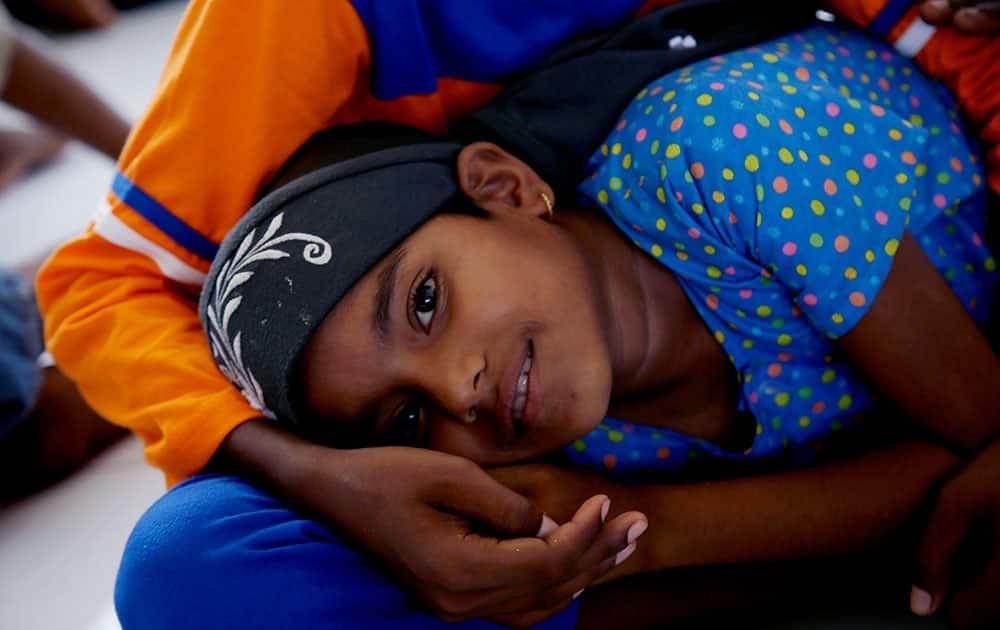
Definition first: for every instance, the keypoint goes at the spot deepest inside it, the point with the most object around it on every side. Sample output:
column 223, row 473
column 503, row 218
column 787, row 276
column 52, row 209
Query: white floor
column 59, row 550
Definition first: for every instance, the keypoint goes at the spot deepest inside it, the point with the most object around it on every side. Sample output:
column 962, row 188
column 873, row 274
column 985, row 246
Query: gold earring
column 549, row 206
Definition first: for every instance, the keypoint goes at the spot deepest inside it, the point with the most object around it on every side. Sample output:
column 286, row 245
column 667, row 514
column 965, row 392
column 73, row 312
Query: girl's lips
column 532, row 402
column 509, row 426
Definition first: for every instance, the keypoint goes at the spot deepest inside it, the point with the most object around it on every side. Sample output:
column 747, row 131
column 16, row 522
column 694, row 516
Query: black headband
column 298, row 251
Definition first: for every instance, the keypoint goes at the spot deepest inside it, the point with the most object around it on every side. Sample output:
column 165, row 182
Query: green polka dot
column 784, row 339
column 709, row 121
column 845, row 401
column 782, row 399
column 579, row 446
column 777, row 322
column 836, row 425
column 615, row 183
column 616, row 436
column 816, row 239
column 713, row 271
column 776, row 422
column 805, row 392
column 654, row 147
column 763, row 121
column 828, row 376
column 990, row 264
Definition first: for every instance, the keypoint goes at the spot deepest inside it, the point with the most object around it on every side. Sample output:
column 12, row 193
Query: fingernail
column 604, row 509
column 624, row 554
column 548, row 526
column 578, row 593
column 920, row 601
column 636, row 530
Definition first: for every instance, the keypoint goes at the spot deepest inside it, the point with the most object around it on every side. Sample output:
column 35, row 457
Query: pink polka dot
column 878, row 110
column 755, row 85
column 881, row 217
column 694, row 233
column 977, row 240
column 628, row 427
column 830, row 187
column 785, row 126
column 746, row 293
column 810, row 299
column 678, row 196
column 656, row 90
column 640, row 135
column 780, row 184
column 870, row 161
column 832, row 109
column 885, row 55
column 730, row 270
column 843, row 51
column 754, row 397
column 715, row 85
column 914, row 101
column 740, row 130
column 789, row 248
column 940, row 200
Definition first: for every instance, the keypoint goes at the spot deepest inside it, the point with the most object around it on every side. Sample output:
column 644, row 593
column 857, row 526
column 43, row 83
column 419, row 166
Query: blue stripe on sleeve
column 891, row 14
column 152, row 211
column 414, row 42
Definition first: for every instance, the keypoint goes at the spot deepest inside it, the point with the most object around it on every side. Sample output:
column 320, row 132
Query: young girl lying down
column 764, row 270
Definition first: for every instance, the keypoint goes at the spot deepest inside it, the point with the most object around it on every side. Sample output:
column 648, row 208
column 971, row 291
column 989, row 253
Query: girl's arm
column 836, row 508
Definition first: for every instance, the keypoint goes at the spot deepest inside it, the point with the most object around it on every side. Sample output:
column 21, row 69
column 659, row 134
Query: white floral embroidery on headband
column 226, row 348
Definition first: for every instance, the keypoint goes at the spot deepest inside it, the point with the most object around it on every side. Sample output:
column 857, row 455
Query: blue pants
column 217, row 552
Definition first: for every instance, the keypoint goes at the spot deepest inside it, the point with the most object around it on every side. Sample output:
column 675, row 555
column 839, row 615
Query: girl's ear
column 498, row 182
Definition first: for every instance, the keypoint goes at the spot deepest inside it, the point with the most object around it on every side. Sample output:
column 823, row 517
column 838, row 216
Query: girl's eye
column 405, row 426
column 425, row 302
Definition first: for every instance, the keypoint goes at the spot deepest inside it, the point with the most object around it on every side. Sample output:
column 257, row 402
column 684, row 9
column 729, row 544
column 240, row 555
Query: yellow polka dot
column 673, row 150
column 804, row 422
column 784, row 339
column 704, row 99
column 800, row 112
column 782, row 399
column 616, row 148
column 697, row 208
column 660, row 223
column 803, row 155
column 990, row 264
column 828, row 376
column 759, row 189
column 763, row 120
column 764, row 310
column 850, row 273
column 751, row 163
column 891, row 246
column 845, row 401
column 748, row 343
column 787, row 213
column 824, row 159
column 720, row 336
column 837, row 318
column 604, row 149
column 713, row 271
column 682, row 255
column 869, row 255
column 901, row 178
column 849, row 129
column 852, row 176
column 616, row 436
column 753, row 96
column 895, row 134
column 615, row 183
column 709, row 250
column 789, row 89
column 760, row 219
column 669, row 95
column 920, row 170
column 627, row 161
column 769, row 57
column 661, row 195
column 602, row 196
column 657, row 250
column 785, row 155
column 718, row 196
column 817, row 207
column 708, row 121
column 728, row 174
column 801, row 269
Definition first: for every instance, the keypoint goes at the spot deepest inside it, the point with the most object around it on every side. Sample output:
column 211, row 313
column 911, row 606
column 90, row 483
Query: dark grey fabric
column 295, row 254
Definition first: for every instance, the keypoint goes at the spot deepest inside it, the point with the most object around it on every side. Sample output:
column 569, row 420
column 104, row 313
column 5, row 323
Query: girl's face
column 481, row 337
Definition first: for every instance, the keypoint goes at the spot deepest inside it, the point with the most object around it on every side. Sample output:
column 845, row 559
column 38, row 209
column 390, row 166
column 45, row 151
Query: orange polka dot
column 857, row 298
column 956, row 165
column 698, row 170
column 774, row 370
column 908, row 157
column 676, row 123
column 818, row 407
column 830, row 187
column 712, row 300
column 780, row 184
column 663, row 452
column 841, row 243
column 609, row 461
column 785, row 356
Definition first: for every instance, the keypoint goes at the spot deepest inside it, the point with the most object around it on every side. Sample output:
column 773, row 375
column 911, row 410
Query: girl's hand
column 971, row 16
column 958, row 561
column 462, row 542
column 558, row 491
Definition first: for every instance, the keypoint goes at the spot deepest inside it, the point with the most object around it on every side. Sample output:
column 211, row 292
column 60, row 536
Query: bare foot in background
column 22, row 151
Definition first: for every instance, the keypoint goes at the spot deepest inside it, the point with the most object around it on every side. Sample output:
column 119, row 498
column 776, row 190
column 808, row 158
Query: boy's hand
column 559, row 491
column 958, row 561
column 971, row 16
column 423, row 514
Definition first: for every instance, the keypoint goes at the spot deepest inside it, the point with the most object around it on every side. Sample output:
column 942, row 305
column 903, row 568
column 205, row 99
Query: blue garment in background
column 20, row 345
